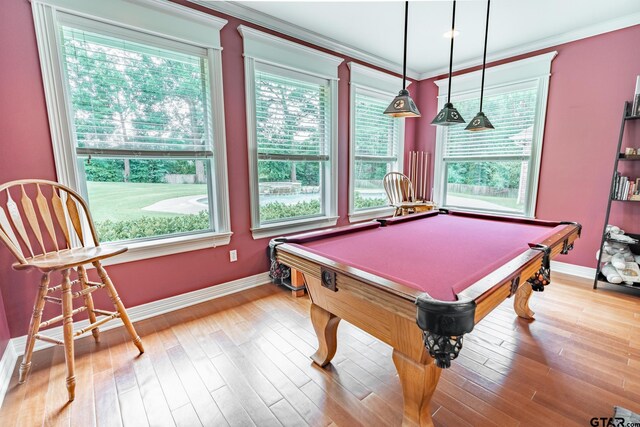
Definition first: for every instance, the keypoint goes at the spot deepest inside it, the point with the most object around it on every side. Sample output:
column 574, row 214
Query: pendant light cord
column 404, row 62
column 484, row 56
column 453, row 29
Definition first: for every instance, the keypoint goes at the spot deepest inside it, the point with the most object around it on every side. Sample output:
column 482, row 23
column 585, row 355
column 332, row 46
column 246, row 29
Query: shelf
column 625, row 157
column 603, row 279
column 635, row 248
column 611, row 239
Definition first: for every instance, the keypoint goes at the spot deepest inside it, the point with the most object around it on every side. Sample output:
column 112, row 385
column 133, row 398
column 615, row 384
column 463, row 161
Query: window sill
column 370, row 214
column 294, row 226
column 169, row 246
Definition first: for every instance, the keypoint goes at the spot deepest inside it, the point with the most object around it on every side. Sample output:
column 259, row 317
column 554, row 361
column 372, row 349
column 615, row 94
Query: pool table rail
column 520, row 268
column 505, row 282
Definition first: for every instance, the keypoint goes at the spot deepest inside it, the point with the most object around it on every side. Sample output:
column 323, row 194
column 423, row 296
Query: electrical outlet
column 233, row 255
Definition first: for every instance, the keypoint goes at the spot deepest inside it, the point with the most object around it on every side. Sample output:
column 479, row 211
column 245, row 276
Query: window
column 141, row 136
column 293, row 155
column 291, row 123
column 496, row 171
column 376, row 141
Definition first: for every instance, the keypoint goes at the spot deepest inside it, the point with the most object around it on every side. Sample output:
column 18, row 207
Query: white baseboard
column 7, row 363
column 573, row 270
column 153, row 308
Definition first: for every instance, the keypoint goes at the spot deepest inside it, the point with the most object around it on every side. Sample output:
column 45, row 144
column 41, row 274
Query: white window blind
column 513, row 114
column 291, row 117
column 136, row 99
column 376, row 135
column 376, row 142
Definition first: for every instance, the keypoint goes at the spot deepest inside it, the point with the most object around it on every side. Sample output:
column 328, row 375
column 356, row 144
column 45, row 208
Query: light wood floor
column 243, row 360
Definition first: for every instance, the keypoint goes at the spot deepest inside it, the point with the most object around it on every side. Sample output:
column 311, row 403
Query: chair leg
column 88, row 301
column 34, row 326
column 117, row 302
column 67, row 328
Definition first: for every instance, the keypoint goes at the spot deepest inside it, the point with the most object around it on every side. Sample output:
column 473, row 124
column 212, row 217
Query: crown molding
column 241, row 11
column 582, row 33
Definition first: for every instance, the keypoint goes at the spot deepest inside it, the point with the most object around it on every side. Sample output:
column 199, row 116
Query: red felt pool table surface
column 438, row 254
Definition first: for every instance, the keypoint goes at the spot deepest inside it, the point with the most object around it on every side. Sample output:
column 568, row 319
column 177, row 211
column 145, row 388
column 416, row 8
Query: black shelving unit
column 626, row 117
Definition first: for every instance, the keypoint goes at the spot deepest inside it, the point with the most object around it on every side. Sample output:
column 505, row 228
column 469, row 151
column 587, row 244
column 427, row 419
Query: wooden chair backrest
column 58, row 212
column 398, row 187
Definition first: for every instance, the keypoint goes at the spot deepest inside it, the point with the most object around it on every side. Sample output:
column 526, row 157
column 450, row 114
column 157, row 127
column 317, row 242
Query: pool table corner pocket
column 444, row 324
column 542, row 277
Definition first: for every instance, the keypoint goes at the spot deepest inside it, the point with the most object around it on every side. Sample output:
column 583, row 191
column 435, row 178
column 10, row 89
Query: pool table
column 420, row 282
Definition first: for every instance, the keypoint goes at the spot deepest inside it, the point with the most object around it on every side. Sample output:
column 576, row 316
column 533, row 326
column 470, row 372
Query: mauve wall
column 25, row 152
column 590, row 80
column 25, row 147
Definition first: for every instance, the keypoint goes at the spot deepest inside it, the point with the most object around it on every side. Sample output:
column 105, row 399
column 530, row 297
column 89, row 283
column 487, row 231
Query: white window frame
column 263, row 48
column 154, row 18
column 371, row 82
column 535, row 70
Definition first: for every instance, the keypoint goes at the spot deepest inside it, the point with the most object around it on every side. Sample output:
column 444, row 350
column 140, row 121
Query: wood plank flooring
column 243, row 360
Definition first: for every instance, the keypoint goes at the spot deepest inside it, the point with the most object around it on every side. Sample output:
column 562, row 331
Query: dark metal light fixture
column 480, row 121
column 449, row 115
column 402, row 105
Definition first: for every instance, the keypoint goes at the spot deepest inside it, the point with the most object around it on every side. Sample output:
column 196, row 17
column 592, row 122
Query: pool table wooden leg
column 326, row 326
column 418, row 381
column 521, row 301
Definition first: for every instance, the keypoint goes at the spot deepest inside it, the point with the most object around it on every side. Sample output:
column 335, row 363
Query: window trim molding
column 252, row 41
column 202, row 29
column 153, row 248
column 293, row 226
column 205, row 27
column 512, row 72
column 534, row 69
column 273, row 50
column 375, row 81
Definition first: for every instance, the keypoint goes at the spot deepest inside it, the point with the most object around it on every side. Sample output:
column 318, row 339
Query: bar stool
column 66, row 242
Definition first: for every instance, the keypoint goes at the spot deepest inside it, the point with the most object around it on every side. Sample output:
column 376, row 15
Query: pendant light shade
column 402, row 105
column 480, row 122
column 449, row 116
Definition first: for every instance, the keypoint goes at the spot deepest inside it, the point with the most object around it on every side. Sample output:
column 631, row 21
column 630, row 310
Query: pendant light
column 480, row 121
column 402, row 105
column 449, row 115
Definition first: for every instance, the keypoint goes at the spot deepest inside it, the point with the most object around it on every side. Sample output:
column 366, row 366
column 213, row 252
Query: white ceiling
column 376, row 27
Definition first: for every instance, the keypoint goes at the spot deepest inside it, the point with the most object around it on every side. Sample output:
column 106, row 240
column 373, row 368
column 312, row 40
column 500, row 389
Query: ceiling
column 375, row 28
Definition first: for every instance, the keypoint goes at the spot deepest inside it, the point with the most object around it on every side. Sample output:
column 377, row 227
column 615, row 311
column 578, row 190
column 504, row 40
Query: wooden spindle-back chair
column 58, row 234
column 401, row 196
